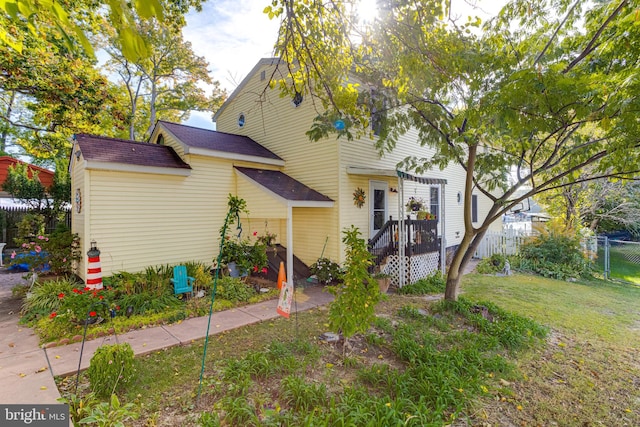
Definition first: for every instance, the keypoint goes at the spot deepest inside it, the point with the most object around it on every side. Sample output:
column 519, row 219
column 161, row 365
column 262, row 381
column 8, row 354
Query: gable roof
column 285, row 187
column 100, row 151
column 206, row 139
column 262, row 62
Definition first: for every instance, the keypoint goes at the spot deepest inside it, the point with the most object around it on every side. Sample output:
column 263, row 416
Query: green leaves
column 353, row 309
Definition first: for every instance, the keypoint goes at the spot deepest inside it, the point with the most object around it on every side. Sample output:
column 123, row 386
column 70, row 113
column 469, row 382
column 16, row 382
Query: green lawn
column 589, row 373
column 420, row 364
column 624, row 262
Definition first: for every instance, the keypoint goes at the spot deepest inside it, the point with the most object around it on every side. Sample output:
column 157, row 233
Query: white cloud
column 232, row 35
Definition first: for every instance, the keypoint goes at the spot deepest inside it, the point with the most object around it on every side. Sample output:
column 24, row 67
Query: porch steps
column 278, row 253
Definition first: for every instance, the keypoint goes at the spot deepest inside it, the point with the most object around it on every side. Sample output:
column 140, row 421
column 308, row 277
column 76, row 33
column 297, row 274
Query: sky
column 233, row 35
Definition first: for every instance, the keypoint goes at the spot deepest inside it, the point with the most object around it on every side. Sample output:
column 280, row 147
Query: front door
column 378, row 206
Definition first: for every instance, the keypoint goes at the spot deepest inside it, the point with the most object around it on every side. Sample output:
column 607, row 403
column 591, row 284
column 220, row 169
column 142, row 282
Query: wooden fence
column 14, row 214
column 505, row 242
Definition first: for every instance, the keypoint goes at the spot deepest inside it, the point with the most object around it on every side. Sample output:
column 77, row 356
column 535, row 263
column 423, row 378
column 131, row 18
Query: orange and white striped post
column 94, row 270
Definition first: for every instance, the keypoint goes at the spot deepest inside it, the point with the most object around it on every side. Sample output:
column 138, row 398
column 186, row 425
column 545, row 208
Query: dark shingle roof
column 283, row 185
column 217, row 141
column 112, row 150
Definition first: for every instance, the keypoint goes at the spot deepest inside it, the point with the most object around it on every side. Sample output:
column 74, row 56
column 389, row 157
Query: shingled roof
column 217, row 141
column 283, row 185
column 111, row 150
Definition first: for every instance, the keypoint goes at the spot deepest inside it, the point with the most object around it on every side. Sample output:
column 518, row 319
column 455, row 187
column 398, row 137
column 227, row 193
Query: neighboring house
column 44, row 175
column 164, row 202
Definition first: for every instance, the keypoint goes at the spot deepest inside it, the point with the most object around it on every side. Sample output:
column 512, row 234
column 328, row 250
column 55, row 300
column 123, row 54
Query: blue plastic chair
column 182, row 284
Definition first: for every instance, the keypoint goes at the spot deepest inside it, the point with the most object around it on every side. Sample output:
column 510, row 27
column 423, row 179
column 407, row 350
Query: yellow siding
column 311, row 227
column 139, row 220
column 259, row 202
column 276, row 124
column 169, row 140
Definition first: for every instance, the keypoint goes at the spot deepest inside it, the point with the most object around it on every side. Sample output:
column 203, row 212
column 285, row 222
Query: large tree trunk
column 461, row 258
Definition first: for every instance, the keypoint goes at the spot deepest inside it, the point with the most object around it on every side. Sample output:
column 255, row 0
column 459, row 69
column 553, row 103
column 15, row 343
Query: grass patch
column 589, row 371
column 623, row 262
column 480, row 361
column 404, row 371
column 596, row 308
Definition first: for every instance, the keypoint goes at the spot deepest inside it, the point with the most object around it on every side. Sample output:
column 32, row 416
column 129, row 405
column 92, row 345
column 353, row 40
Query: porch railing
column 420, row 237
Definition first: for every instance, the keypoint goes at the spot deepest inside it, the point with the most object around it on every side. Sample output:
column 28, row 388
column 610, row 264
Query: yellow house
column 163, row 202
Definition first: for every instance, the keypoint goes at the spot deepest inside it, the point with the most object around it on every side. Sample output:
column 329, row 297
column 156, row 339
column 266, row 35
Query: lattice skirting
column 420, row 267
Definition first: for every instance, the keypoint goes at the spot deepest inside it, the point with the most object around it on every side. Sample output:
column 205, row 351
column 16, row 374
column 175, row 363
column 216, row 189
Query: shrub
column 146, row 302
column 325, row 270
column 44, row 298
column 353, row 309
column 81, row 303
column 234, row 289
column 432, row 284
column 493, row 264
column 54, row 253
column 111, row 367
column 554, row 254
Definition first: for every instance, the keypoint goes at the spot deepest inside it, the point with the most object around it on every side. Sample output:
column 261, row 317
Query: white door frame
column 373, row 186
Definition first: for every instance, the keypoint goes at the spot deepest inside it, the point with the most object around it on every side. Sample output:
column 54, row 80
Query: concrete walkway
column 27, row 369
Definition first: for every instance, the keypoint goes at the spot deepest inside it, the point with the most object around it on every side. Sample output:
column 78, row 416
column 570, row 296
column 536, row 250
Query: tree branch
column 592, row 43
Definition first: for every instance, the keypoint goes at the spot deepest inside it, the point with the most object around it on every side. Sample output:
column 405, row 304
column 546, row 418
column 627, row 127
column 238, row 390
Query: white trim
column 377, row 185
column 232, row 156
column 124, row 167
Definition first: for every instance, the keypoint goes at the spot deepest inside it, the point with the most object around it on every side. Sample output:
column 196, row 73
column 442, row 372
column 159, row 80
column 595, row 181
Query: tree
column 50, row 17
column 512, row 97
column 165, row 83
column 49, row 93
column 25, row 186
column 601, row 205
column 50, row 88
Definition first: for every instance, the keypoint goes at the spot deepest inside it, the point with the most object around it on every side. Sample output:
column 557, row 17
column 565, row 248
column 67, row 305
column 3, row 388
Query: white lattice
column 420, row 266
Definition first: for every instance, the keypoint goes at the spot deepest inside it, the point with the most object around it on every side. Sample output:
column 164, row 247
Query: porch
column 407, row 250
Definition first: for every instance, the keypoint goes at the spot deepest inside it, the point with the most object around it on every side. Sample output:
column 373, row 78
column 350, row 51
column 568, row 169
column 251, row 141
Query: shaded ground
column 9, row 305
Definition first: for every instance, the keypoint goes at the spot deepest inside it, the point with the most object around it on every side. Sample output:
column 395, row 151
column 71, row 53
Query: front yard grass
column 422, row 364
column 589, row 371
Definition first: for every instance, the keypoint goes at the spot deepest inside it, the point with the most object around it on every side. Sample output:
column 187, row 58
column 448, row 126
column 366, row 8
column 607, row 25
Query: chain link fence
column 619, row 260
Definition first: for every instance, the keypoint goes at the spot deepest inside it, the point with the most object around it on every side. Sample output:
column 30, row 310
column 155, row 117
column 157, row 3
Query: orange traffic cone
column 281, row 276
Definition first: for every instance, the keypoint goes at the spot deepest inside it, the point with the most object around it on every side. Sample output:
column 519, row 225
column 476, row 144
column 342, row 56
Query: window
column 241, row 120
column 474, row 208
column 434, row 201
column 160, row 140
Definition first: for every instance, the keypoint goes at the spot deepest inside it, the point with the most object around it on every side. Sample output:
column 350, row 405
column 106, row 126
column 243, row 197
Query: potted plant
column 414, row 204
column 422, row 214
column 384, row 281
column 242, row 256
column 325, row 270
